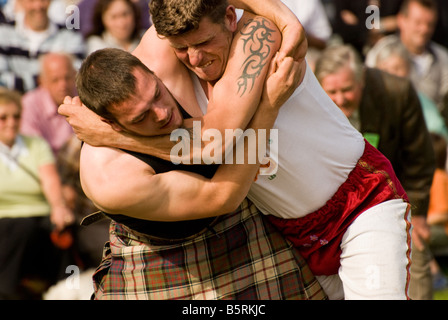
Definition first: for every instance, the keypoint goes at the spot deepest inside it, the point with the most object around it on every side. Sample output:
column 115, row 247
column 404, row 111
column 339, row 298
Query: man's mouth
column 206, row 64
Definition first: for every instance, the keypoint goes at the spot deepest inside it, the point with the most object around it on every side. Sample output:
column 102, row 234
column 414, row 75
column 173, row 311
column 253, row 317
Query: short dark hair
column 176, row 17
column 428, row 4
column 101, row 7
column 105, row 79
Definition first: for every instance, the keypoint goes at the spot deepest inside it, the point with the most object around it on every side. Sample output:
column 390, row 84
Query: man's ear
column 400, row 20
column 113, row 124
column 231, row 19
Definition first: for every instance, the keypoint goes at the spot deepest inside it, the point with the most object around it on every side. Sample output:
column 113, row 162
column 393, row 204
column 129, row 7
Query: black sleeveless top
column 168, row 230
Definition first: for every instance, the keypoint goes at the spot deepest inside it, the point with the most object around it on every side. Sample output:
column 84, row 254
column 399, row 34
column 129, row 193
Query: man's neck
column 36, row 27
column 207, row 86
column 415, row 50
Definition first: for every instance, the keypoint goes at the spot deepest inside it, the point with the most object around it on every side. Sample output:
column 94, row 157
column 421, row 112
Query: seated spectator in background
column 395, row 59
column 40, row 106
column 58, row 10
column 2, row 17
column 387, row 111
column 438, row 205
column 40, row 118
column 429, row 70
column 440, row 34
column 31, row 202
column 10, row 10
column 116, row 24
column 89, row 241
column 13, row 9
column 351, row 17
column 87, row 7
column 23, row 41
column 438, row 209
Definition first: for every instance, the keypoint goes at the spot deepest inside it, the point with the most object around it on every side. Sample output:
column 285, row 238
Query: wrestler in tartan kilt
column 241, row 257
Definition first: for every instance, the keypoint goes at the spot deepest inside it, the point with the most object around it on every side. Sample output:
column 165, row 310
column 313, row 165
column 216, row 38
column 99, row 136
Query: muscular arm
column 294, row 38
column 241, row 108
column 120, row 184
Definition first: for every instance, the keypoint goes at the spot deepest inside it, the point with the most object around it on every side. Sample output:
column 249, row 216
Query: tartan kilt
column 242, row 257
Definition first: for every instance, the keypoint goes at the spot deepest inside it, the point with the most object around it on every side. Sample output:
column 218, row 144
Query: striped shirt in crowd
column 20, row 49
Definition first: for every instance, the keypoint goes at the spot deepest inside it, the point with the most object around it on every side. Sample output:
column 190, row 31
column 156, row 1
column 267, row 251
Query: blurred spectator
column 86, row 8
column 2, row 17
column 31, row 35
column 115, row 25
column 10, row 8
column 386, row 109
column 40, row 117
column 429, row 69
column 40, row 106
column 56, row 11
column 31, row 202
column 395, row 59
column 89, row 241
column 350, row 21
column 438, row 210
column 441, row 33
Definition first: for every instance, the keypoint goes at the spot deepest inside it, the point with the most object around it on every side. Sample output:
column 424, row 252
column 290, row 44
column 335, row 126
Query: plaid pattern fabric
column 243, row 257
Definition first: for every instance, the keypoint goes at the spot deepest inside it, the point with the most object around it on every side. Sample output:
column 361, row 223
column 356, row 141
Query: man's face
column 395, row 65
column 58, row 77
column 205, row 51
column 343, row 88
column 36, row 16
column 417, row 27
column 151, row 111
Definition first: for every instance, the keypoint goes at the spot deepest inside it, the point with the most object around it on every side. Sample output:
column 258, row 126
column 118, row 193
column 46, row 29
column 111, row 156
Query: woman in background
column 31, row 203
column 116, row 24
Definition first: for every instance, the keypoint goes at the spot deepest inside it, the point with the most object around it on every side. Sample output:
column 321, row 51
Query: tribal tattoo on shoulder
column 257, row 39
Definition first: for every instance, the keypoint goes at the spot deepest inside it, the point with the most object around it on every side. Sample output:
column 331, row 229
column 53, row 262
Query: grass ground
column 442, row 294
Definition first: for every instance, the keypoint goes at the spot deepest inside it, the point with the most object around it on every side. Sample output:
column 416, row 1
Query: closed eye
column 139, row 118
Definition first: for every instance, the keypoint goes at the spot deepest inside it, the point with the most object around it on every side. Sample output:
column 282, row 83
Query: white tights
column 375, row 256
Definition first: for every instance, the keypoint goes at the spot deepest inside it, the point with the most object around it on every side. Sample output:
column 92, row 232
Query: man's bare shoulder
column 249, row 19
column 156, row 53
column 106, row 158
column 99, row 153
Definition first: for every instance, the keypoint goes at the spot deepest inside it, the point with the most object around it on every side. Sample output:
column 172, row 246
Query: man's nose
column 159, row 113
column 194, row 56
column 339, row 99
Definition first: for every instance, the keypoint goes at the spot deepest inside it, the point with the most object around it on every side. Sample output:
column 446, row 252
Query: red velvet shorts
column 318, row 235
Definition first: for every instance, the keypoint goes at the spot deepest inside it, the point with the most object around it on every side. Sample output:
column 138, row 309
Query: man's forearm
column 158, row 146
column 274, row 10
